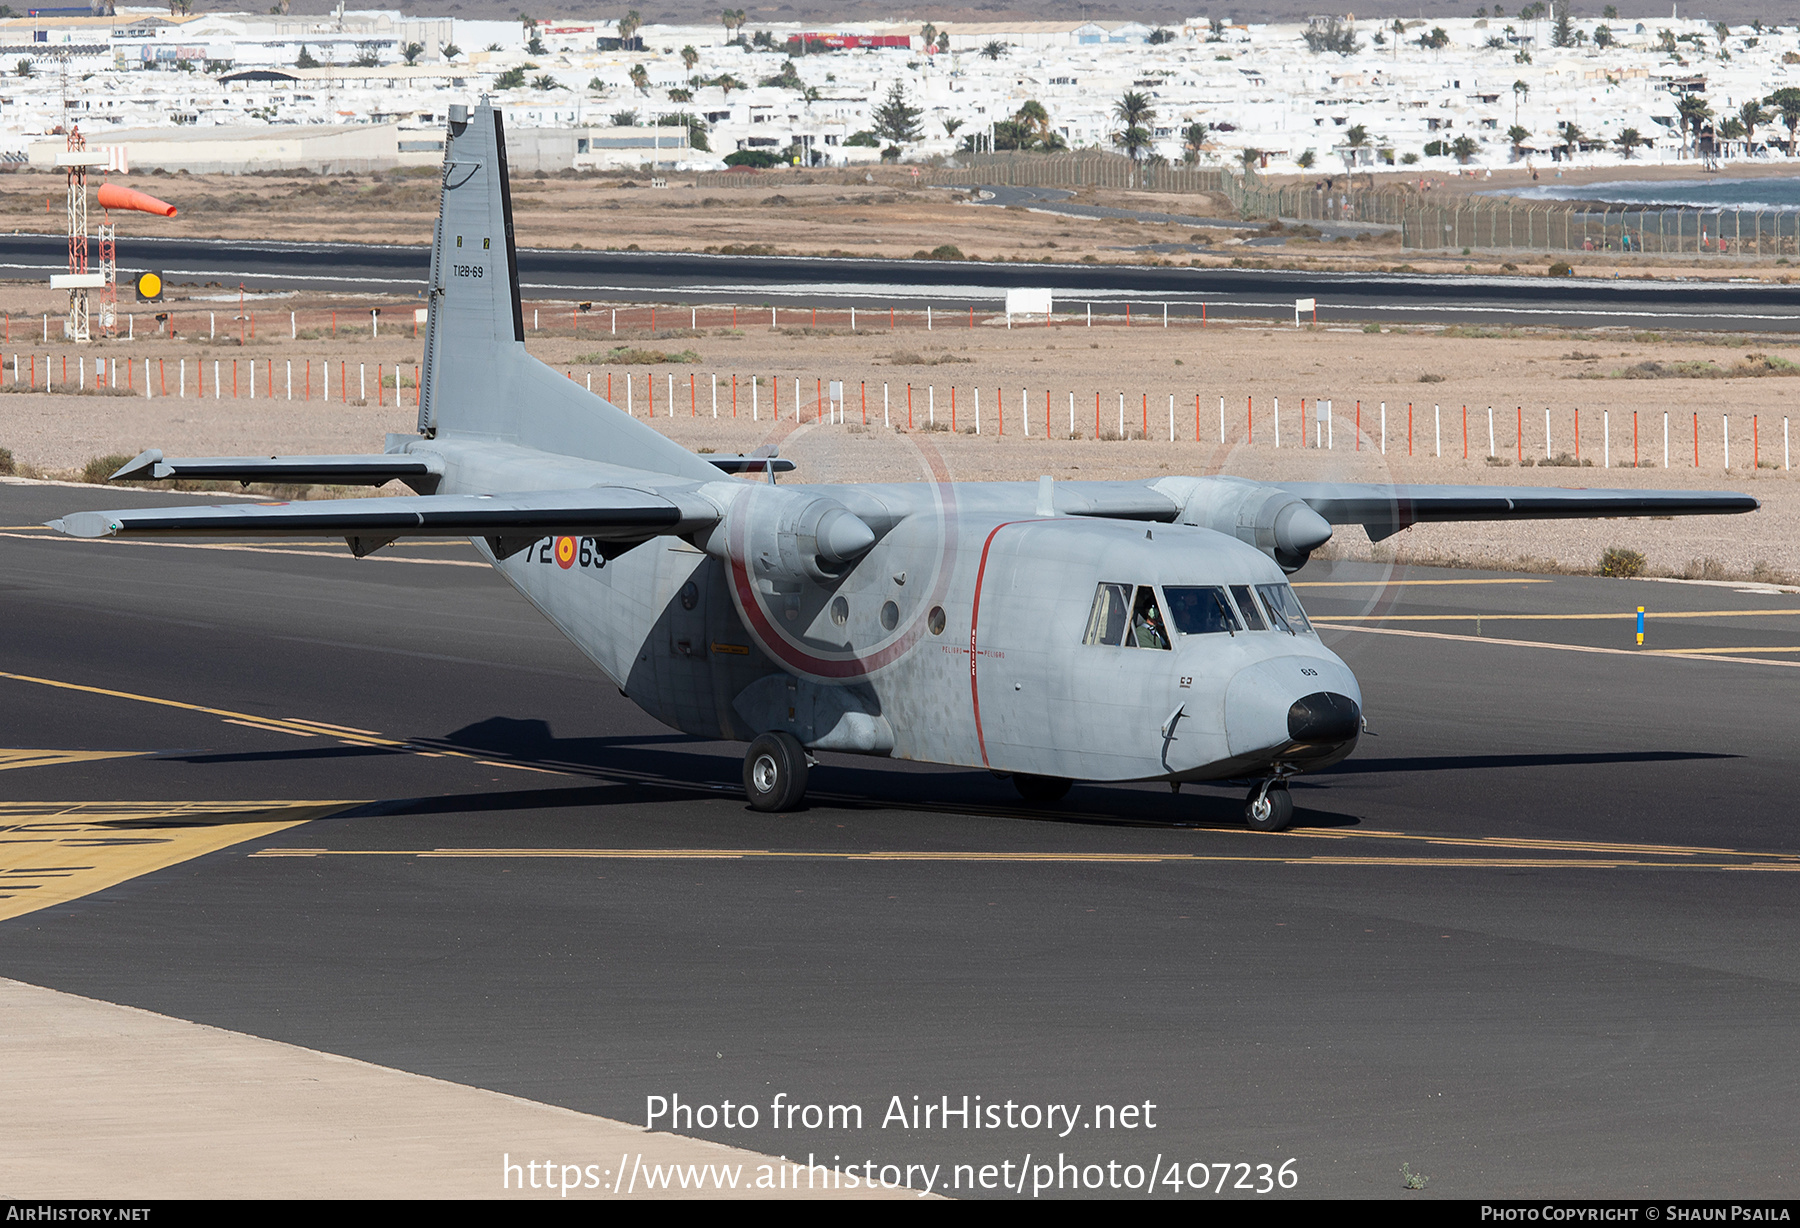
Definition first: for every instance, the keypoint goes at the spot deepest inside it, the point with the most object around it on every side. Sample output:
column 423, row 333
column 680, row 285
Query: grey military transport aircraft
column 1048, row 631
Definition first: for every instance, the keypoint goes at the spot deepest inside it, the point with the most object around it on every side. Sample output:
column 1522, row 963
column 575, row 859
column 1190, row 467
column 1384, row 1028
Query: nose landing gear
column 1270, row 807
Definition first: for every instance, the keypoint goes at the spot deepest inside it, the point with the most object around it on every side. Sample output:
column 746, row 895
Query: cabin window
column 1284, row 609
column 1147, row 630
column 1106, row 621
column 1201, row 611
column 1246, row 605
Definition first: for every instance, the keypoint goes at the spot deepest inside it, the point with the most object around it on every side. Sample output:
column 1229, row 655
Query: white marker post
column 1171, row 413
column 978, row 409
column 884, row 405
column 290, row 379
column 1384, row 428
column 1437, row 431
column 1025, row 414
column 1121, row 415
column 1491, row 430
column 1221, row 419
column 1606, row 439
column 1547, row 452
column 1665, row 439
column 1278, row 422
column 1330, row 423
column 931, row 405
column 1725, row 434
column 715, row 394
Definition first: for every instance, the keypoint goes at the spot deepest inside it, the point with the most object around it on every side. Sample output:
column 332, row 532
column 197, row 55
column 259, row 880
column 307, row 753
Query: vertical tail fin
column 477, row 378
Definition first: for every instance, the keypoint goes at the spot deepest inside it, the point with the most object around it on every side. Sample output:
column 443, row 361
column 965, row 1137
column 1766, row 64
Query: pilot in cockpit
column 1146, row 621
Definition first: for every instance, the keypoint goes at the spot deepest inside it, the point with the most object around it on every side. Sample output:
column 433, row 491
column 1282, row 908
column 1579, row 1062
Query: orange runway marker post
column 380, row 394
column 909, row 407
column 306, row 382
column 1000, row 409
column 419, row 388
column 1578, row 437
column 1197, row 417
column 693, row 402
column 162, row 377
column 1696, row 441
column 1634, row 439
column 1146, row 415
column 953, row 409
column 1519, row 431
column 234, row 379
column 1465, row 432
column 1096, row 415
column 1358, row 447
column 1409, row 428
column 734, row 389
column 1249, row 420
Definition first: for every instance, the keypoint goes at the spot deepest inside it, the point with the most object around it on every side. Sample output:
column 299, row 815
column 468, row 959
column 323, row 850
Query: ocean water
column 1775, row 192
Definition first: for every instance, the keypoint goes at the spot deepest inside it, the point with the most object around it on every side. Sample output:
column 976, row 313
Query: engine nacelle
column 787, row 538
column 1279, row 524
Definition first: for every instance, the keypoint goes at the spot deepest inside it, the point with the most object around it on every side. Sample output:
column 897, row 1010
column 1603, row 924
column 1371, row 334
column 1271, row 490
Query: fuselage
column 976, row 631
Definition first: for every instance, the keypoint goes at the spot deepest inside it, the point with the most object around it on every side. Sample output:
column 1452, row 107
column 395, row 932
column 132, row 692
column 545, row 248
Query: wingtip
column 85, row 524
column 141, row 466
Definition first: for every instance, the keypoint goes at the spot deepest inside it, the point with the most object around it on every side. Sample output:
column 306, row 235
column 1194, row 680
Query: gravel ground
column 1519, row 373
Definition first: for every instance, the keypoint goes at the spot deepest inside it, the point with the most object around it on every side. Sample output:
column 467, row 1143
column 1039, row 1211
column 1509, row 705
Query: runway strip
column 111, row 1102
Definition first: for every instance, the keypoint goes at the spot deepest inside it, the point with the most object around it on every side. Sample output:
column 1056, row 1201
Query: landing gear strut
column 1270, row 807
column 775, row 770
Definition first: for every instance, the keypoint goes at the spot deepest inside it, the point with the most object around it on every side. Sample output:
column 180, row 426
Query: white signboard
column 1028, row 302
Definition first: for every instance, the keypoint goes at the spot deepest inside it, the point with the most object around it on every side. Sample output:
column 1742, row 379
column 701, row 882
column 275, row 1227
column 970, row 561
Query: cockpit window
column 1246, row 605
column 1106, row 621
column 1200, row 611
column 1146, row 621
column 1284, row 609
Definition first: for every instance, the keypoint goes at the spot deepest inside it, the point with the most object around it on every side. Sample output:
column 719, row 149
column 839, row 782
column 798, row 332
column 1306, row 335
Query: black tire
column 1041, row 789
column 775, row 772
column 1272, row 811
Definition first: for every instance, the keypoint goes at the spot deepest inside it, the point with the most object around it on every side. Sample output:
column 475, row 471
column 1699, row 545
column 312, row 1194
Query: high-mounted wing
column 421, row 472
column 1385, row 510
column 618, row 517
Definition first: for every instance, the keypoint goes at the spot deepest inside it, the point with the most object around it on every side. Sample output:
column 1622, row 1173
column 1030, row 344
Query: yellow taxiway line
column 1403, row 583
column 54, row 852
column 1749, row 862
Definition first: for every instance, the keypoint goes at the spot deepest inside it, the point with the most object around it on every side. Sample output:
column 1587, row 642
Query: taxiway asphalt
column 876, row 285
column 1536, row 937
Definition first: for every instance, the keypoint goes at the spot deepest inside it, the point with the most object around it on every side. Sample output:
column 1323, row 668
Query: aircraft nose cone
column 842, row 537
column 1324, row 717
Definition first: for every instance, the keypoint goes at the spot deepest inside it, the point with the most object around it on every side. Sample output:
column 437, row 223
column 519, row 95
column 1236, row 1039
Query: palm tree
column 1399, row 29
column 630, row 24
column 1750, row 115
column 1034, row 116
column 1464, row 148
column 640, row 77
column 1628, row 140
column 1520, row 92
column 994, row 50
column 1133, row 111
column 929, row 33
column 689, row 58
column 1571, row 135
column 951, row 125
column 1694, row 113
column 1517, row 135
column 1194, row 137
column 1787, row 105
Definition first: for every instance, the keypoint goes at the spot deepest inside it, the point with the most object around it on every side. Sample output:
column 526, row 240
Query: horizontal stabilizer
column 419, row 472
column 748, row 464
column 1385, row 510
column 613, row 514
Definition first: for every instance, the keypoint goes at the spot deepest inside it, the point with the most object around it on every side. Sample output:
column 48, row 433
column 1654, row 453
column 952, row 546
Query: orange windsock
column 112, row 196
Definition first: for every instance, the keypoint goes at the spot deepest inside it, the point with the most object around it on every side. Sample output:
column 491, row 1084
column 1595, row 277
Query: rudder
column 477, row 378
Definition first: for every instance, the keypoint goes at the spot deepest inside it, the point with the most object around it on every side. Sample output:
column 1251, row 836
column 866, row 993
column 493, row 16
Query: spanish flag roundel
column 565, row 552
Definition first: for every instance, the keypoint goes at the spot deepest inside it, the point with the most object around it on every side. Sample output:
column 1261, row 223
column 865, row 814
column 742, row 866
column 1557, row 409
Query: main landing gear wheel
column 775, row 772
column 1040, row 789
column 1270, row 807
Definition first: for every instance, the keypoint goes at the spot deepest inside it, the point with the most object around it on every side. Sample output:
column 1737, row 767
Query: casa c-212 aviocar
column 1049, row 631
